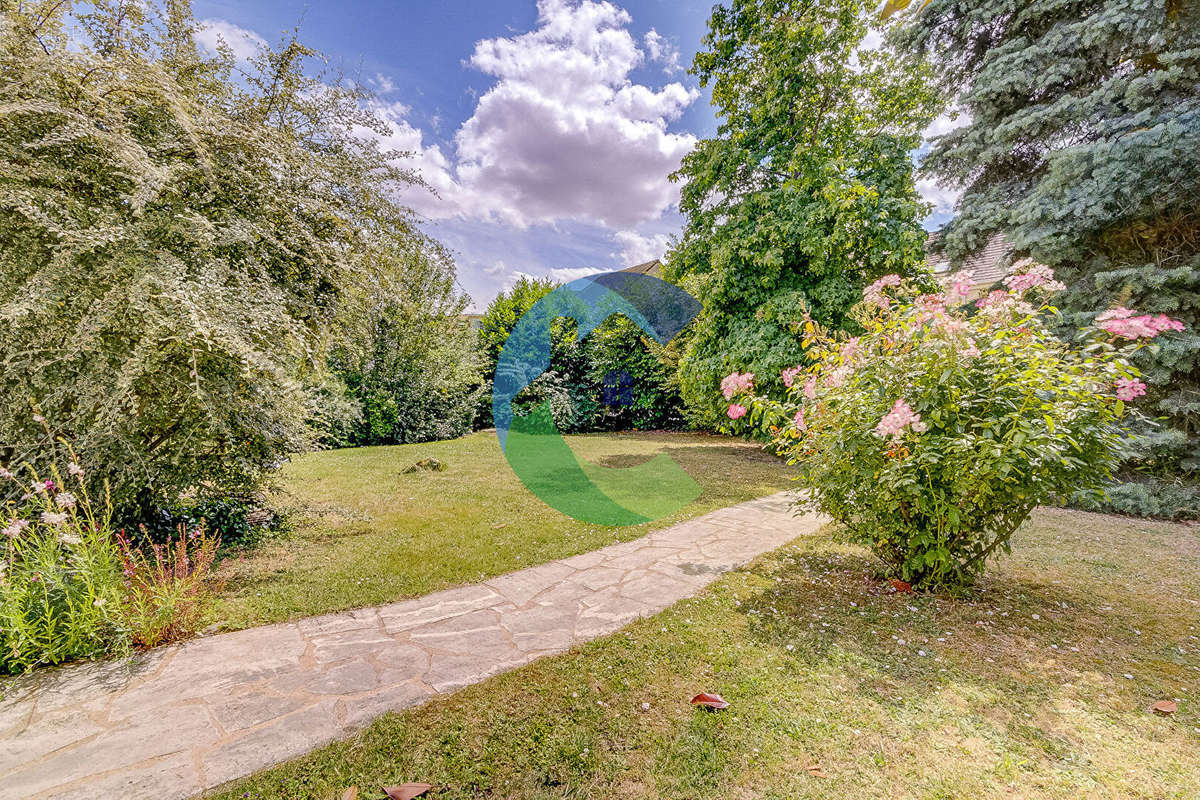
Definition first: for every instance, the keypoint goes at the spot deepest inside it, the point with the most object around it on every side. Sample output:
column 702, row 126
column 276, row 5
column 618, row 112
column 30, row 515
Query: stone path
column 176, row 721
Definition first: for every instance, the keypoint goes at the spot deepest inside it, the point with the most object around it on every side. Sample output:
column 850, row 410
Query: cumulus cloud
column 564, row 133
column 660, row 49
column 245, row 44
column 638, row 249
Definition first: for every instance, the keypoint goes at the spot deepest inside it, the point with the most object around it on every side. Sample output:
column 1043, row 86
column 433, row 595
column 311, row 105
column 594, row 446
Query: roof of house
column 652, row 268
column 987, row 265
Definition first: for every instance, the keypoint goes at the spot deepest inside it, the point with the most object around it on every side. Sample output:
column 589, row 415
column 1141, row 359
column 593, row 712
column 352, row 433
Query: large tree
column 182, row 239
column 1082, row 145
column 806, row 192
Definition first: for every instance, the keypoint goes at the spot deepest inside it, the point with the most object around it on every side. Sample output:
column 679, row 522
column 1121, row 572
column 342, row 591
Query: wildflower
column 98, row 602
column 65, row 500
column 1130, row 388
column 39, row 487
column 798, row 420
column 895, row 421
column 14, row 528
column 992, row 299
column 54, row 517
column 736, row 382
column 810, row 387
column 69, row 539
column 5, row 473
column 39, row 419
column 736, row 411
column 75, row 470
column 789, row 375
column 49, row 484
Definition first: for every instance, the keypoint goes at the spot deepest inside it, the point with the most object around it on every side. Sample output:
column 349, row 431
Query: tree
column 806, row 193
column 179, row 246
column 1082, row 145
column 415, row 377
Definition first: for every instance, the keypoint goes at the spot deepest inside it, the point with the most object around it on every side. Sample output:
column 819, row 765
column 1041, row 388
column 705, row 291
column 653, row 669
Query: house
column 987, row 266
column 653, row 268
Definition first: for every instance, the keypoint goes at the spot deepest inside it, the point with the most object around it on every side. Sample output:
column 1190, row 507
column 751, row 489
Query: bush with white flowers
column 932, row 435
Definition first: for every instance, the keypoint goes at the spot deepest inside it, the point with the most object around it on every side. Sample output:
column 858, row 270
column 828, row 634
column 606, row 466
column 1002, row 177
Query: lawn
column 1038, row 686
column 363, row 533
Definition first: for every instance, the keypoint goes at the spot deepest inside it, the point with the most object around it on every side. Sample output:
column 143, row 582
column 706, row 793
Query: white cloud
column 947, row 122
column 944, row 199
column 638, row 249
column 245, row 44
column 564, row 134
column 383, row 84
column 660, row 49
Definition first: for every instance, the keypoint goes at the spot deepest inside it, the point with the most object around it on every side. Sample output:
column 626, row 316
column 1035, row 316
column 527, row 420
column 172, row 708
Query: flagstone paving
column 178, row 720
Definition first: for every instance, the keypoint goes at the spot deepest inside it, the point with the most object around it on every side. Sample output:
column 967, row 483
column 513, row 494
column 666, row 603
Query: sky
column 546, row 128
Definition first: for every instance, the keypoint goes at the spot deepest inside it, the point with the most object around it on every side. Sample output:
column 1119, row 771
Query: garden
column 246, row 402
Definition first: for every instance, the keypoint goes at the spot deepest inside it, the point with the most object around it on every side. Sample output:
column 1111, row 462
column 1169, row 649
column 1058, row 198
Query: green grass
column 824, row 667
column 365, row 534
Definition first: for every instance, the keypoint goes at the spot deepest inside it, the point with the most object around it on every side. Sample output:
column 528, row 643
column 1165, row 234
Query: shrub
column 60, row 575
column 166, row 591
column 932, row 435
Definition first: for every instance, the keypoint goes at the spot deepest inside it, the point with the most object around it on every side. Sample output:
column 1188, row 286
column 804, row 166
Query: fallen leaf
column 816, row 771
column 713, row 702
column 406, row 791
column 351, row 793
column 499, row 525
column 901, row 587
column 1165, row 707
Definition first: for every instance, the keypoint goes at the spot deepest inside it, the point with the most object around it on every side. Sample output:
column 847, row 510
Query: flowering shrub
column 71, row 588
column 167, row 588
column 60, row 576
column 932, row 435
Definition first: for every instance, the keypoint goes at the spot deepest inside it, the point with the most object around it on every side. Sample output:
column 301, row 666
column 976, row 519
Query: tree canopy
column 1082, row 145
column 805, row 194
column 182, row 239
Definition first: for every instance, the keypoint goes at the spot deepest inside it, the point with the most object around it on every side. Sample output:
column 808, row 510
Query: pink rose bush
column 932, row 435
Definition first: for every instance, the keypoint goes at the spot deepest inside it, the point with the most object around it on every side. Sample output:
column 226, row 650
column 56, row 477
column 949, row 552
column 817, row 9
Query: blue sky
column 548, row 127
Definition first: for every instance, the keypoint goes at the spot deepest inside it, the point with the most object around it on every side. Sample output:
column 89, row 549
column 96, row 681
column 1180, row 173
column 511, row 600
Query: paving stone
column 359, row 711
column 286, row 737
column 184, row 719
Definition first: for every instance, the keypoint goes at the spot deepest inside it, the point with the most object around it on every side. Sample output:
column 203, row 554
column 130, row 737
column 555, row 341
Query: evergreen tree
column 805, row 194
column 1083, row 147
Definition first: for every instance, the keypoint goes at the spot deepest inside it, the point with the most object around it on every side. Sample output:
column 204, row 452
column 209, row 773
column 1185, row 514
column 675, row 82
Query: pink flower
column 959, row 289
column 838, row 376
column 895, row 421
column 798, row 420
column 736, row 411
column 1130, row 388
column 789, row 375
column 1121, row 322
column 1034, row 275
column 810, row 387
column 850, row 348
column 992, row 299
column 873, row 294
column 736, row 382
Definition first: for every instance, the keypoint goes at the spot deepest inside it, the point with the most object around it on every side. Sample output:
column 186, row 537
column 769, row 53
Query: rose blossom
column 736, row 411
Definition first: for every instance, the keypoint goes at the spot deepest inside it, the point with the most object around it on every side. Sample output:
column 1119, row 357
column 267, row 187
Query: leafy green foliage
column 416, row 378
column 933, row 435
column 60, row 573
column 180, row 246
column 1083, row 147
column 806, row 193
column 638, row 378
